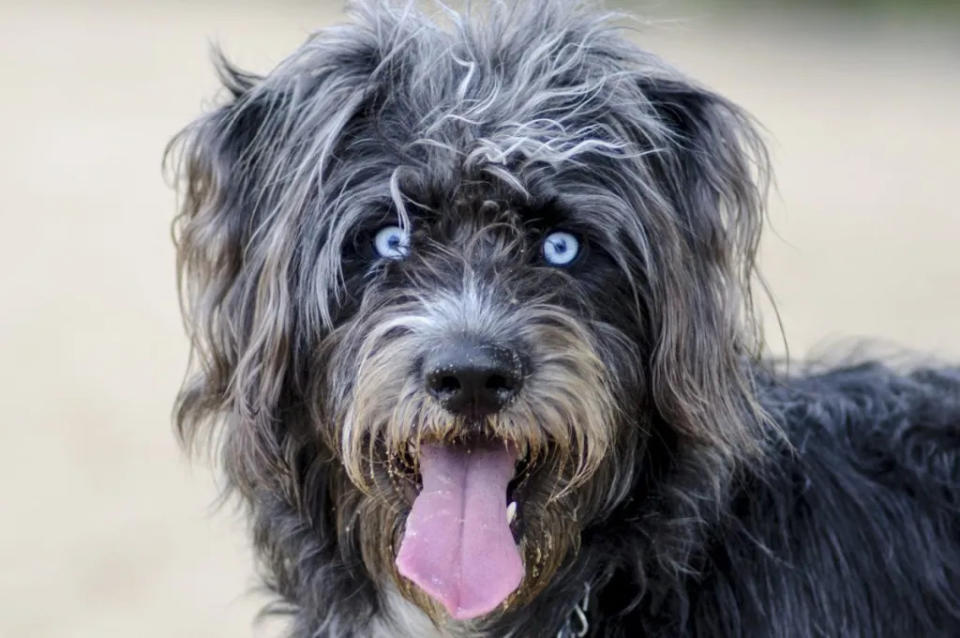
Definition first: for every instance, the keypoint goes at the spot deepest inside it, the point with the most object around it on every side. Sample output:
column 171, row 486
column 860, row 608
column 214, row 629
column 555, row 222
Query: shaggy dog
column 469, row 298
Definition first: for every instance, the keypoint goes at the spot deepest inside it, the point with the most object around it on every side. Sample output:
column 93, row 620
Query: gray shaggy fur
column 696, row 491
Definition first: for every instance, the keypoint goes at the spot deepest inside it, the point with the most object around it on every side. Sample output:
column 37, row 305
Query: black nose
column 473, row 379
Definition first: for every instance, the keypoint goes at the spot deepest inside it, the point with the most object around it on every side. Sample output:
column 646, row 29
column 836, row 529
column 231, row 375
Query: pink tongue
column 457, row 546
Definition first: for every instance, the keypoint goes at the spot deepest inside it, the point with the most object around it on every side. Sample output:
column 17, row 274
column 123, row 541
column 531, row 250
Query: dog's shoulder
column 855, row 518
column 893, row 427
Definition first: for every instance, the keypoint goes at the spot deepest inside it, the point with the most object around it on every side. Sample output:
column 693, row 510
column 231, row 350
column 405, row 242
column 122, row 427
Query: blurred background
column 105, row 530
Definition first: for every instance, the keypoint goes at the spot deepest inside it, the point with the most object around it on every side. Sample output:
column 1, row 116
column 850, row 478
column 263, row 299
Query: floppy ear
column 712, row 171
column 246, row 178
column 222, row 280
column 250, row 176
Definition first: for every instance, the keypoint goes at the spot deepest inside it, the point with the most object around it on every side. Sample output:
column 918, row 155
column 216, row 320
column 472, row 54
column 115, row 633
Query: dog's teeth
column 511, row 512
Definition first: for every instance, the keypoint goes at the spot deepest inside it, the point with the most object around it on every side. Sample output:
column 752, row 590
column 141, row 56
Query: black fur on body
column 697, row 492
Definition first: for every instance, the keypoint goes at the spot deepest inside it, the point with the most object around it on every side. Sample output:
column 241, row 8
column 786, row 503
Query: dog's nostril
column 497, row 383
column 447, row 385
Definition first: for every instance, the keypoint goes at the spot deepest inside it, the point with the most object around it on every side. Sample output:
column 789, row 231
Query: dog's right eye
column 392, row 242
column 560, row 248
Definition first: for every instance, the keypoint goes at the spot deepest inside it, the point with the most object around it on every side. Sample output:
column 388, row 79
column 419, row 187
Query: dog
column 469, row 296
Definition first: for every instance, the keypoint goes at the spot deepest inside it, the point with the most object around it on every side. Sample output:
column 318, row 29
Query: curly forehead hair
column 476, row 137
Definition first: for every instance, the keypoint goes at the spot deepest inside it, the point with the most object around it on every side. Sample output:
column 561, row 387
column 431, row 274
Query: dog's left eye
column 392, row 242
column 560, row 248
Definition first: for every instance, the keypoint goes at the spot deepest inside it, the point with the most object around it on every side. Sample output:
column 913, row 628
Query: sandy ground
column 106, row 530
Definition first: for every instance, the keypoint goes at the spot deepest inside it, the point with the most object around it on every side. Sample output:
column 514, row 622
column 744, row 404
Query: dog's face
column 449, row 289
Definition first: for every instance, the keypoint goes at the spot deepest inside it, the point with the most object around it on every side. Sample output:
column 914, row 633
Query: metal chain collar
column 577, row 625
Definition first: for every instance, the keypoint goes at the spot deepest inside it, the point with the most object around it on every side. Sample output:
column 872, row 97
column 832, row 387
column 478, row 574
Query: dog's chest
column 403, row 619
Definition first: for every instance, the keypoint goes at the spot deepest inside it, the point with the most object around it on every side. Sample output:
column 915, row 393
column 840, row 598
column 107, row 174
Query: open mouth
column 459, row 545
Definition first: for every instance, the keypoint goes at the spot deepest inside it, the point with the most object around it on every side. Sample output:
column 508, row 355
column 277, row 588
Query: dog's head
column 455, row 294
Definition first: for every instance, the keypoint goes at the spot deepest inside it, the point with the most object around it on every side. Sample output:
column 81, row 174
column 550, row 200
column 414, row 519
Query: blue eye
column 392, row 242
column 560, row 248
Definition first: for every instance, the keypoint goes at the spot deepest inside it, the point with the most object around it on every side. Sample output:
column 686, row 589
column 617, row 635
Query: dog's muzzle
column 458, row 546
